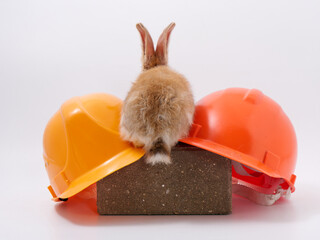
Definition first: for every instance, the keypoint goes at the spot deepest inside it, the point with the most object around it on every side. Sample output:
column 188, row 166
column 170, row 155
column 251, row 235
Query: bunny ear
column 147, row 47
column 162, row 46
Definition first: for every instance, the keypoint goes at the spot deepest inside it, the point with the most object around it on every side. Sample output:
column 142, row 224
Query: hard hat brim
column 117, row 162
column 236, row 156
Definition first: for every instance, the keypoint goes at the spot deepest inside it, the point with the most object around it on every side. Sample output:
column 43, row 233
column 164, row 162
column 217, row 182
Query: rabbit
column 159, row 107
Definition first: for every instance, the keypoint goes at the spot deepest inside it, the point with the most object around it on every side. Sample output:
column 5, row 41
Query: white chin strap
column 259, row 195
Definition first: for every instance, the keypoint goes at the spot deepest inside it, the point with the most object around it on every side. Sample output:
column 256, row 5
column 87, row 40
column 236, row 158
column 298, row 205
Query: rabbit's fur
column 159, row 107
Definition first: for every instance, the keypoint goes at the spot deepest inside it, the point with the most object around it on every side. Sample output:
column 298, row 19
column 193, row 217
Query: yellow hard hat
column 82, row 144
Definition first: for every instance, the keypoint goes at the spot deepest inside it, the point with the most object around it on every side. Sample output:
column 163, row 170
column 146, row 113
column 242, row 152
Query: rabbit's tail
column 158, row 153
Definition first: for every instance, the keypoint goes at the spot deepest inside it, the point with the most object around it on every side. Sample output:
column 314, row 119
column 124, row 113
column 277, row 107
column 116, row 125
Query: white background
column 53, row 50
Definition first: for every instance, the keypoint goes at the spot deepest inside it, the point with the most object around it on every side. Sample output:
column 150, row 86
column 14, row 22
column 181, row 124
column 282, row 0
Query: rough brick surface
column 197, row 182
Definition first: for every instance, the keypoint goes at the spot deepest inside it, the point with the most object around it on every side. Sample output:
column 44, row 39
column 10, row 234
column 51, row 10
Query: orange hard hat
column 82, row 144
column 250, row 128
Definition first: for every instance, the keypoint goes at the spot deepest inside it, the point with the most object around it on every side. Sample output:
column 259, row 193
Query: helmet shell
column 248, row 127
column 82, row 144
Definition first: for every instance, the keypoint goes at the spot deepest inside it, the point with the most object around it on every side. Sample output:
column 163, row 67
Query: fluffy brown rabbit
column 159, row 107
